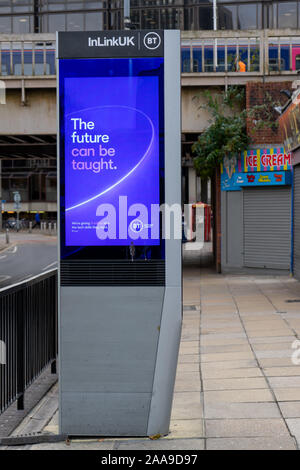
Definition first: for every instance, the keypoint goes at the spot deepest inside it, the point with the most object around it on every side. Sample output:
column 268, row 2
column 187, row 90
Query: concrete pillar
column 204, row 196
column 192, row 185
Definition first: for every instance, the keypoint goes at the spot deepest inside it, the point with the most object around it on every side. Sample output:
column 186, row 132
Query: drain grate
column 291, row 301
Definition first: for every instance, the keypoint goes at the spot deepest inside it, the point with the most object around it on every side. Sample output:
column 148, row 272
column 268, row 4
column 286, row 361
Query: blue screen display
column 110, row 124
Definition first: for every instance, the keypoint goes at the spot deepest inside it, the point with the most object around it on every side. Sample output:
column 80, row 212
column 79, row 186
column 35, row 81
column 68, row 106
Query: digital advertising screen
column 111, row 133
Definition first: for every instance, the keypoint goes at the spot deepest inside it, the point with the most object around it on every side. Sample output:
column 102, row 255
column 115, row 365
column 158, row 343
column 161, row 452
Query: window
column 56, row 23
column 205, row 17
column 21, row 24
column 5, row 24
column 247, row 16
column 297, row 61
column 75, row 22
column 228, row 17
column 94, row 21
column 287, row 15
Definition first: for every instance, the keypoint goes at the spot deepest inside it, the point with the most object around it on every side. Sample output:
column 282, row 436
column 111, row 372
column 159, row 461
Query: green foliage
column 263, row 115
column 226, row 135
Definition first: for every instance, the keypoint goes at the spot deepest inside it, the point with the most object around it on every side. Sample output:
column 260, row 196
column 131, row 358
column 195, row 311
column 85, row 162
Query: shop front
column 256, row 211
column 290, row 124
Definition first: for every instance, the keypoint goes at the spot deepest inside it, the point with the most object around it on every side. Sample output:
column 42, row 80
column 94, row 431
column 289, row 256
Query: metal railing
column 28, row 335
column 29, row 55
column 263, row 52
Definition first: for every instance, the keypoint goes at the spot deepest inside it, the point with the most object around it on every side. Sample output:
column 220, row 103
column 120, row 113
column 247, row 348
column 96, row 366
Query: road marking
column 14, row 249
column 49, row 266
column 2, row 257
column 4, row 278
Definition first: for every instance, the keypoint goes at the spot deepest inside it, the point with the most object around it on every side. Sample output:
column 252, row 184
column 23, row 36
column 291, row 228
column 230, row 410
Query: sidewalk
column 236, row 386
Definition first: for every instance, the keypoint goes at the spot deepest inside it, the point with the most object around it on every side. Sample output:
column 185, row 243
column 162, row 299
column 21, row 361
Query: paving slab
column 276, row 362
column 280, row 339
column 187, row 405
column 241, row 410
column 188, row 382
column 265, row 333
column 254, row 443
column 186, row 428
column 218, row 335
column 246, row 427
column 231, row 373
column 287, row 371
column 287, row 394
column 242, row 396
column 205, row 366
column 75, row 445
column 290, row 409
column 225, row 348
column 251, row 327
column 273, row 354
column 272, row 347
column 189, row 347
column 294, row 427
column 243, row 383
column 285, row 382
column 163, row 444
column 188, row 367
column 223, row 357
column 188, row 358
column 213, row 340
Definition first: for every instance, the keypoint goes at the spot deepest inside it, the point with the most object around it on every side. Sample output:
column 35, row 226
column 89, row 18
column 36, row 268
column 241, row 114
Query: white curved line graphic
column 133, row 169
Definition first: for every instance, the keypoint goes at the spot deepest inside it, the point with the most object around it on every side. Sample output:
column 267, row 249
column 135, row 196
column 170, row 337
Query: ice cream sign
column 256, row 167
column 267, row 160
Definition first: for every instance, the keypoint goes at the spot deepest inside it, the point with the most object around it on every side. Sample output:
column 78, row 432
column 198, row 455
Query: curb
column 32, row 439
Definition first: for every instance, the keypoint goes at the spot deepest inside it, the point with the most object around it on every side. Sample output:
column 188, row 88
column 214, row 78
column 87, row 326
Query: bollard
column 49, row 228
column 30, row 227
column 7, row 236
column 54, row 228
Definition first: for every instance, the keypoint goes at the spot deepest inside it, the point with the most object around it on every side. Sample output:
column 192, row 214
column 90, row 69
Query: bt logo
column 152, row 41
column 136, row 225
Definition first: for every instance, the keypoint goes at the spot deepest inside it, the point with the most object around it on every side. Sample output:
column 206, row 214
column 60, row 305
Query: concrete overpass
column 28, row 75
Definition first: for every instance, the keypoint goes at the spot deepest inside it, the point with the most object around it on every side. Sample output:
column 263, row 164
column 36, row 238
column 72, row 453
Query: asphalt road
column 22, row 261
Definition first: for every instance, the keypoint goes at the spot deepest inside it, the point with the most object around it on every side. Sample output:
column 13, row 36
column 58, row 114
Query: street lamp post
column 215, row 29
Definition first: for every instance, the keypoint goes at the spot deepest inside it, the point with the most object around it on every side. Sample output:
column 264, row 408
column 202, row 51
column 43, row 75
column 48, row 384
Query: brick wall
column 255, row 95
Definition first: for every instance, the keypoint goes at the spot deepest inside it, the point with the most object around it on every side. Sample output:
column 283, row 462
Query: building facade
column 47, row 16
column 290, row 125
column 256, row 196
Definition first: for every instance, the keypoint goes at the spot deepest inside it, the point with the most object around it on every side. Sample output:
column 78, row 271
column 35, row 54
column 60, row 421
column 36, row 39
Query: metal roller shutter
column 297, row 221
column 267, row 227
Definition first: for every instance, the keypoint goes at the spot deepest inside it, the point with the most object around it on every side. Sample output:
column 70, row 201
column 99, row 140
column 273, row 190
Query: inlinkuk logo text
column 120, row 41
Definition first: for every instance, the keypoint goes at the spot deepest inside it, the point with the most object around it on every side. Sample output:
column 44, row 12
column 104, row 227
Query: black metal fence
column 28, row 335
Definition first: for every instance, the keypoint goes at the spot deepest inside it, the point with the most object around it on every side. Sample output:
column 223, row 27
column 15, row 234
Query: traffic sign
column 17, row 197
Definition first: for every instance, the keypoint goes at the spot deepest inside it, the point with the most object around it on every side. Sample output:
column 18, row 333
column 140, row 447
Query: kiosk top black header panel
column 110, row 44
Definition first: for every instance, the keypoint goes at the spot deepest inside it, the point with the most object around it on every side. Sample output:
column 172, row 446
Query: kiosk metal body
column 120, row 302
